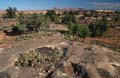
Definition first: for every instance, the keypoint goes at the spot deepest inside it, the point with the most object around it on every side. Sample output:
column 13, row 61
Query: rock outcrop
column 78, row 60
column 88, row 61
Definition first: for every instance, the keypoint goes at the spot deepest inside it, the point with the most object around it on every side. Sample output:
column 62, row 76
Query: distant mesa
column 69, row 9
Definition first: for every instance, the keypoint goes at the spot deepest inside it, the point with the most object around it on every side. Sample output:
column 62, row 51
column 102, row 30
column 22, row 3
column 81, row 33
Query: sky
column 49, row 4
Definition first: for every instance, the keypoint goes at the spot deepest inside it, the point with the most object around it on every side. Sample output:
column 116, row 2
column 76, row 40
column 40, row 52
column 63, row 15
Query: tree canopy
column 11, row 12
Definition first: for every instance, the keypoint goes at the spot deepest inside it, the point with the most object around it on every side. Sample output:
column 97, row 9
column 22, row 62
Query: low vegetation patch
column 40, row 57
column 33, row 35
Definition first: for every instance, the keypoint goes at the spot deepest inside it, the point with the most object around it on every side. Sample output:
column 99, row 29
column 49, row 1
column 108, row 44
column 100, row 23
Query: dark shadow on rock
column 49, row 75
column 4, row 75
column 11, row 33
column 104, row 73
column 80, row 71
column 65, row 51
column 44, row 50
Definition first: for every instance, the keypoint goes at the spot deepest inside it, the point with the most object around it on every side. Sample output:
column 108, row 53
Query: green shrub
column 99, row 27
column 69, row 18
column 20, row 28
column 53, row 16
column 78, row 30
column 36, row 22
column 82, row 31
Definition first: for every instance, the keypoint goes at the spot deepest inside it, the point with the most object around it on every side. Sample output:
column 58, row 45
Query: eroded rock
column 78, row 61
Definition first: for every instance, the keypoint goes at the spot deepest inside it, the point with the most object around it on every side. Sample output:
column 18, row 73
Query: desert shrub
column 99, row 27
column 117, row 18
column 57, row 19
column 35, row 22
column 21, row 18
column 53, row 16
column 82, row 31
column 20, row 28
column 37, row 58
column 69, row 18
column 78, row 30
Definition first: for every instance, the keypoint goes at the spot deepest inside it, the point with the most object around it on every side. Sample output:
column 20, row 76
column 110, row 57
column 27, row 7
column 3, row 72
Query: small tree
column 36, row 22
column 11, row 12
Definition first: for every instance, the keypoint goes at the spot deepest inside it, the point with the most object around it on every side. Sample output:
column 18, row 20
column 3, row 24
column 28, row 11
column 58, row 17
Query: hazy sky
column 48, row 4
